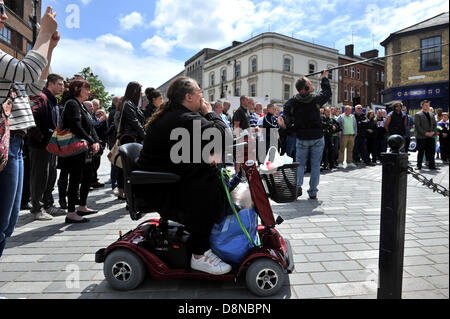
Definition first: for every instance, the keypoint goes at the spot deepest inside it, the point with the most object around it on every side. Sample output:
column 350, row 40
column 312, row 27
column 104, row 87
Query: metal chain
column 429, row 183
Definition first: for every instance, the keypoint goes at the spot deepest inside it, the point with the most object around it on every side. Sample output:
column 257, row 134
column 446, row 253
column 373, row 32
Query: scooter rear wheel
column 123, row 269
column 264, row 277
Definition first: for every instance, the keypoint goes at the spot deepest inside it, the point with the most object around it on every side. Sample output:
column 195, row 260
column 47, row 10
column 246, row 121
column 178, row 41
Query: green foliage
column 98, row 90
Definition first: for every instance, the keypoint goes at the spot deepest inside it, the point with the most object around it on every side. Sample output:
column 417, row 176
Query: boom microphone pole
column 377, row 58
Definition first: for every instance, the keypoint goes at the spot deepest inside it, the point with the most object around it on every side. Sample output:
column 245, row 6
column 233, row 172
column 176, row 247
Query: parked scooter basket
column 282, row 184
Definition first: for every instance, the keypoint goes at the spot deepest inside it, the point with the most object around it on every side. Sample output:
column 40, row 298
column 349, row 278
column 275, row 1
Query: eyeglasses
column 2, row 9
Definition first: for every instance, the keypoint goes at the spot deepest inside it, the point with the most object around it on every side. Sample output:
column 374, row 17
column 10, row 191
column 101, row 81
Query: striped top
column 25, row 76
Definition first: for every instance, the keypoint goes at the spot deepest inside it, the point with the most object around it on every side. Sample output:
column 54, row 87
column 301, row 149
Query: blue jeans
column 11, row 182
column 312, row 149
column 290, row 144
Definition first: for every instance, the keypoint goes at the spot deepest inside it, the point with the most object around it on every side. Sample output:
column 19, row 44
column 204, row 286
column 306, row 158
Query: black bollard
column 392, row 225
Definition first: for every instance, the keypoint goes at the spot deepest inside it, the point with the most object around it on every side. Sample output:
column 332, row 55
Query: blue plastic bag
column 228, row 240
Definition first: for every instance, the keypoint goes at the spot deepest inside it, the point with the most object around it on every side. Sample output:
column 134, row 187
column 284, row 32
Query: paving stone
column 24, row 287
column 326, row 256
column 312, row 291
column 354, row 288
column 341, row 265
column 327, row 277
column 422, row 271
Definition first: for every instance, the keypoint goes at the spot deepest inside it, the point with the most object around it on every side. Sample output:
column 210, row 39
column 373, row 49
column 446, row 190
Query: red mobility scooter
column 158, row 246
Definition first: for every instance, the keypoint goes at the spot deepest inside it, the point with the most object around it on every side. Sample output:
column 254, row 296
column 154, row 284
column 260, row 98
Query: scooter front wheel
column 264, row 277
column 123, row 269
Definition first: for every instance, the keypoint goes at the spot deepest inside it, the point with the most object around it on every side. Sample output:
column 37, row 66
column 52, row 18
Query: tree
column 98, row 90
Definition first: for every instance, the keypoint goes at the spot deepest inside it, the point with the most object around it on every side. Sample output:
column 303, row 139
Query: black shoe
column 73, row 221
column 98, row 185
column 312, row 197
column 299, row 192
column 370, row 164
column 418, row 167
column 433, row 168
column 121, row 198
column 80, row 213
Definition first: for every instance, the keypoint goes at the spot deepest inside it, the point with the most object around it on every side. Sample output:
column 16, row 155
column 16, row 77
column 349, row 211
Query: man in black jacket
column 360, row 149
column 304, row 111
column 42, row 163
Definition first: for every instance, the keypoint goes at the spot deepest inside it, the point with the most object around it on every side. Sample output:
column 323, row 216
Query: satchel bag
column 64, row 143
column 5, row 112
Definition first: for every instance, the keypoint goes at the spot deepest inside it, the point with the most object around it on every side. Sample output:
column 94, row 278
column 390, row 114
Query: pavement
column 335, row 241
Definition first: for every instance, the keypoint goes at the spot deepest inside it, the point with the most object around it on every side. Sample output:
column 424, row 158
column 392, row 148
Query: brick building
column 422, row 74
column 361, row 83
column 16, row 37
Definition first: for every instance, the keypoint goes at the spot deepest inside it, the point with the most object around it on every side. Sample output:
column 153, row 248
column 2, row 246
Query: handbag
column 236, row 234
column 5, row 112
column 64, row 143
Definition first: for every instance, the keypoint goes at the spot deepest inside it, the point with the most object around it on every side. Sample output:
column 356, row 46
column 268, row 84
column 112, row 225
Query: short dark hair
column 53, row 78
column 300, row 84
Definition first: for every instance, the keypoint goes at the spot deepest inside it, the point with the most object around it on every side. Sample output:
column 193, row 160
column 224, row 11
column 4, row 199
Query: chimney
column 236, row 43
column 370, row 54
column 349, row 50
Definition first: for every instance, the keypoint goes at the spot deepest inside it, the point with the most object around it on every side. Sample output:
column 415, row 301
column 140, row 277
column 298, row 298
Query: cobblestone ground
column 335, row 241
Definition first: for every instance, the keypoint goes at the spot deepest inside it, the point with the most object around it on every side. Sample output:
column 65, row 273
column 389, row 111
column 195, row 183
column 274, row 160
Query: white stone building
column 266, row 67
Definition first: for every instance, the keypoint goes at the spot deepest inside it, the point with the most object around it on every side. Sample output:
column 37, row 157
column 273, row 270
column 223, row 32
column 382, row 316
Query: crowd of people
column 318, row 138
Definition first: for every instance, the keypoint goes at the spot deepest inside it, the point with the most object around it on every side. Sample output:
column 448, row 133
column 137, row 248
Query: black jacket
column 133, row 121
column 303, row 112
column 363, row 124
column 78, row 120
column 199, row 194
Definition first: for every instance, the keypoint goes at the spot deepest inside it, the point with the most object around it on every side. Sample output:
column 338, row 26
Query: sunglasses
column 2, row 9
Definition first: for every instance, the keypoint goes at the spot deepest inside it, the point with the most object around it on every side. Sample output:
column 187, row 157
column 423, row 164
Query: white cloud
column 114, row 60
column 131, row 20
column 85, row 2
column 157, row 46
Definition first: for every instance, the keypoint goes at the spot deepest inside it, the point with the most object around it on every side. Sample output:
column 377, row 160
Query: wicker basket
column 282, row 184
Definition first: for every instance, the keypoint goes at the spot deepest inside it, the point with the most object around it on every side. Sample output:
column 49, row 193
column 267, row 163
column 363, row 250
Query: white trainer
column 340, row 165
column 42, row 215
column 352, row 165
column 210, row 263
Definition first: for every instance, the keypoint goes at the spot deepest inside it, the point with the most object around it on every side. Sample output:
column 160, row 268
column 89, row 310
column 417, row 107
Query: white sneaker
column 210, row 263
column 42, row 215
column 54, row 211
column 340, row 165
column 352, row 165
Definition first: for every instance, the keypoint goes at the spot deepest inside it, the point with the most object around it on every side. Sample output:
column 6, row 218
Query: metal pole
column 392, row 224
column 377, row 58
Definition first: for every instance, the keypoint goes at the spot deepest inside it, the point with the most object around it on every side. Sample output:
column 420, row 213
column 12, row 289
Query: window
column 352, row 72
column 15, row 6
column 223, row 77
column 382, row 76
column 312, row 68
column 358, row 92
column 352, row 93
column 287, row 65
column 330, row 75
column 431, row 59
column 5, row 34
column 237, row 91
column 253, row 65
column 238, row 70
column 287, row 92
column 252, row 92
column 211, row 97
column 212, row 78
column 346, row 94
column 346, row 72
column 378, row 76
column 358, row 74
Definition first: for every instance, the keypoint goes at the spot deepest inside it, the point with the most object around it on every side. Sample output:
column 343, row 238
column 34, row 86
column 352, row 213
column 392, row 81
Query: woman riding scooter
column 199, row 194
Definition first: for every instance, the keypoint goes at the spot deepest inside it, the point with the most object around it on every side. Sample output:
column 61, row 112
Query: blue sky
column 148, row 40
